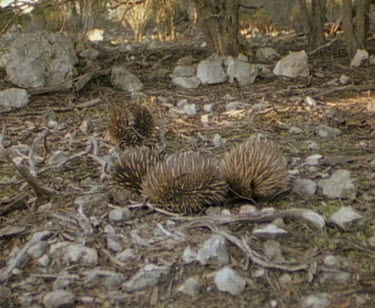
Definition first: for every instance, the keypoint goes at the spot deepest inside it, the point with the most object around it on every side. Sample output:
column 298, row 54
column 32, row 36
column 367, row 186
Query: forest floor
column 345, row 107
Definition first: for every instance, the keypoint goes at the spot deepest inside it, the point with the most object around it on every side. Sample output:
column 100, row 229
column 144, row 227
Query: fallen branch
column 254, row 256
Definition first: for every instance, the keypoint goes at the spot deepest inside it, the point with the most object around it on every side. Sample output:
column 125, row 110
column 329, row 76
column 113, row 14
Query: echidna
column 130, row 125
column 185, row 183
column 130, row 168
column 255, row 169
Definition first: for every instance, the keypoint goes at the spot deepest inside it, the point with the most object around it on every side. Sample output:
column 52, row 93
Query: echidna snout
column 185, row 183
column 256, row 169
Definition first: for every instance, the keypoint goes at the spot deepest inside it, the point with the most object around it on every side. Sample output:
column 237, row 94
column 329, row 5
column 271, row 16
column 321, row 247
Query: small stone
column 312, row 145
column 327, row 132
column 266, row 54
column 228, row 280
column 114, row 244
column 13, row 98
column 186, row 82
column 359, row 57
column 126, row 255
column 285, row 278
column 58, row 157
column 189, row 255
column 258, row 273
column 225, row 212
column 213, row 249
column 37, row 250
column 119, row 214
column 183, row 71
column 371, row 241
column 234, row 106
column 146, row 277
column 344, row 79
column 310, row 101
column 91, row 200
column 210, row 71
column 331, row 261
column 228, row 97
column 320, row 300
column 69, row 253
column 59, row 299
column 293, row 65
column 270, row 231
column 44, row 260
column 218, row 141
column 295, row 130
column 123, row 79
column 190, row 286
column 345, row 216
column 207, row 107
column 248, row 209
column 190, row 109
column 87, row 126
column 272, row 250
column 339, row 186
column 313, row 160
column 305, row 187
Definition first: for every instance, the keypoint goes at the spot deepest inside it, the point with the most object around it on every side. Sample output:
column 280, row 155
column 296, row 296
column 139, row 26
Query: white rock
column 359, row 57
column 310, row 101
column 41, row 59
column 123, row 79
column 295, row 130
column 126, row 255
column 266, row 54
column 371, row 241
column 272, row 250
column 146, row 277
column 327, row 132
column 312, row 145
column 248, row 209
column 344, row 79
column 269, row 231
column 207, row 107
column 57, row 157
column 87, row 126
column 183, row 71
column 187, row 82
column 119, row 214
column 69, row 254
column 339, row 186
column 243, row 72
column 59, row 299
column 190, row 286
column 313, row 160
column 345, row 216
column 190, row 109
column 305, row 187
column 213, row 249
column 13, row 98
column 37, row 250
column 189, row 255
column 218, row 141
column 293, row 65
column 210, row 71
column 320, row 300
column 228, row 280
column 234, row 106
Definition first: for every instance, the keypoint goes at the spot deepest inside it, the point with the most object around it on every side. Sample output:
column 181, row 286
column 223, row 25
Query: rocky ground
column 70, row 240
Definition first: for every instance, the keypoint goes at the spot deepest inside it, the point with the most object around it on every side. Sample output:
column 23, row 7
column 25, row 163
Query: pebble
column 305, row 187
column 119, row 214
column 213, row 249
column 59, row 299
column 319, row 300
column 228, row 280
column 190, row 286
column 313, row 160
column 270, row 231
column 339, row 186
column 345, row 216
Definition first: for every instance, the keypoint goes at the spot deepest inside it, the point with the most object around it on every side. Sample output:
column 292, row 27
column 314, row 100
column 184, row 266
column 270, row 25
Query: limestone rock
column 293, row 65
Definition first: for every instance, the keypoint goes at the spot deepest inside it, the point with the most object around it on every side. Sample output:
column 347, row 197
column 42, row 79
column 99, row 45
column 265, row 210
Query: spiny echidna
column 256, row 169
column 185, row 183
column 130, row 168
column 130, row 125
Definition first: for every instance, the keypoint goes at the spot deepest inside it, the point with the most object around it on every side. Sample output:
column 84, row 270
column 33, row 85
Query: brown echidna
column 130, row 125
column 130, row 168
column 185, row 182
column 256, row 169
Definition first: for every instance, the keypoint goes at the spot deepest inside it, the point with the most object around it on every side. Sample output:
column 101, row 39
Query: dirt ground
column 339, row 106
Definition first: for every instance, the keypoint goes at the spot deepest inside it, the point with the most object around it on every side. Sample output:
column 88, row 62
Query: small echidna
column 185, row 183
column 130, row 125
column 130, row 168
column 256, row 169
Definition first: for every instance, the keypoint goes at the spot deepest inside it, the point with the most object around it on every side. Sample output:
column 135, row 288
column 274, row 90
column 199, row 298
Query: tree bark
column 316, row 37
column 347, row 25
column 361, row 19
column 220, row 24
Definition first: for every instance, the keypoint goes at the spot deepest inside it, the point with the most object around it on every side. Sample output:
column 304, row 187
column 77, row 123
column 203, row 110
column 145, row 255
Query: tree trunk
column 316, row 36
column 220, row 25
column 361, row 19
column 347, row 25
